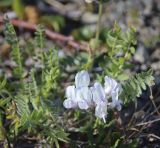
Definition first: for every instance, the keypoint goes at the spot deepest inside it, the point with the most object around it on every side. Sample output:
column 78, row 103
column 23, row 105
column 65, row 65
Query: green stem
column 99, row 19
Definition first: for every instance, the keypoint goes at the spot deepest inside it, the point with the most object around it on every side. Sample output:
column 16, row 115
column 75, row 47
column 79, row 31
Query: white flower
column 100, row 101
column 115, row 101
column 113, row 88
column 110, row 85
column 101, row 111
column 80, row 94
column 98, row 93
column 71, row 101
column 84, row 97
column 82, row 79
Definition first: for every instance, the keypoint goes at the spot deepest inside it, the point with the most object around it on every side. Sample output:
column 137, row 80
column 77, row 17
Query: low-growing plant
column 28, row 102
column 25, row 101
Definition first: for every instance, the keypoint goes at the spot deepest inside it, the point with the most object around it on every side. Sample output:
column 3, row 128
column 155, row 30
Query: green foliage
column 24, row 101
column 120, row 48
column 40, row 36
column 133, row 87
column 51, row 72
column 12, row 39
column 2, row 84
column 84, row 33
column 29, row 104
column 18, row 7
column 21, row 102
column 55, row 21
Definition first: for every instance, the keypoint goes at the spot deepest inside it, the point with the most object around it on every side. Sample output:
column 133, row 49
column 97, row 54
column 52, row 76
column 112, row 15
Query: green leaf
column 22, row 104
column 55, row 21
column 2, row 84
column 18, row 7
column 132, row 49
column 11, row 38
column 133, row 87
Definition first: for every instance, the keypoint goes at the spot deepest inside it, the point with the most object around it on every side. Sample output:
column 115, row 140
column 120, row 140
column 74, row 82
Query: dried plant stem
column 149, row 122
column 67, row 40
column 151, row 98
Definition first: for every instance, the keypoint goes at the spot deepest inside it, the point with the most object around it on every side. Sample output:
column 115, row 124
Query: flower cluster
column 82, row 96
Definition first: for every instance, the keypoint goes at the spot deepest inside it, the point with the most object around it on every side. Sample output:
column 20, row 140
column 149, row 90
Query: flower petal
column 83, row 104
column 115, row 102
column 101, row 110
column 84, row 93
column 82, row 79
column 71, row 92
column 118, row 105
column 114, row 96
column 107, row 85
column 110, row 85
column 98, row 93
column 69, row 103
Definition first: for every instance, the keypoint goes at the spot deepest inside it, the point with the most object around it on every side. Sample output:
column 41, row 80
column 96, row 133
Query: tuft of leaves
column 120, row 48
column 133, row 87
column 40, row 36
column 25, row 106
column 12, row 39
column 51, row 72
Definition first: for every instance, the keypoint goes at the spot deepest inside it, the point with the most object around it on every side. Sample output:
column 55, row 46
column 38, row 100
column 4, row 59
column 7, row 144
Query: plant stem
column 151, row 98
column 99, row 19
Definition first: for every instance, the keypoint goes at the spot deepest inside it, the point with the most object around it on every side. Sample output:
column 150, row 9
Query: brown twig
column 151, row 98
column 149, row 122
column 68, row 40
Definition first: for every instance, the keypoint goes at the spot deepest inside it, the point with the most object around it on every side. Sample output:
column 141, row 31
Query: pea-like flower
column 100, row 100
column 113, row 88
column 110, row 85
column 82, row 79
column 115, row 101
column 82, row 96
column 71, row 101
column 79, row 96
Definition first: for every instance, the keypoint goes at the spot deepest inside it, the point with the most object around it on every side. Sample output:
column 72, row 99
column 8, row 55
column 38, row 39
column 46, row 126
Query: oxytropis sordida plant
column 112, row 87
column 84, row 97
column 29, row 107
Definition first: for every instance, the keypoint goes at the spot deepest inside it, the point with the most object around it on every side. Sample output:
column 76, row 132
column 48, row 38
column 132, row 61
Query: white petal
column 70, row 92
column 82, row 79
column 114, row 96
column 119, row 106
column 114, row 84
column 83, row 104
column 104, row 119
column 79, row 96
column 108, row 80
column 107, row 85
column 115, row 102
column 110, row 85
column 84, row 93
column 87, row 95
column 69, row 103
column 101, row 110
column 118, row 88
column 98, row 93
